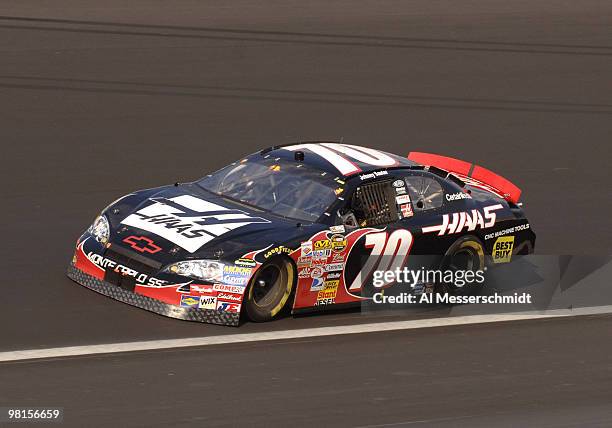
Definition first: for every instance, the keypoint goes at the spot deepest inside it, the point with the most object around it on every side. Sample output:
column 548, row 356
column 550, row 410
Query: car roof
column 344, row 160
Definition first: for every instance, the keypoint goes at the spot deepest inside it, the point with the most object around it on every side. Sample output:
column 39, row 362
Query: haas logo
column 142, row 244
column 188, row 221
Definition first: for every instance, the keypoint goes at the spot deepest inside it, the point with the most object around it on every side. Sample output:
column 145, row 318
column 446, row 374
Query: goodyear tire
column 270, row 289
column 467, row 254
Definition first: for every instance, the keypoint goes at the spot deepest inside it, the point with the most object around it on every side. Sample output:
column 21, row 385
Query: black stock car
column 301, row 227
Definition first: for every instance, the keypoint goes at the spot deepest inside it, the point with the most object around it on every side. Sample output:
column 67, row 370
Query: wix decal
column 188, row 221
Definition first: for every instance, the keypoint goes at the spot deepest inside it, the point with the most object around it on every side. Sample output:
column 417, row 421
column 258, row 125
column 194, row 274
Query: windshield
column 282, row 187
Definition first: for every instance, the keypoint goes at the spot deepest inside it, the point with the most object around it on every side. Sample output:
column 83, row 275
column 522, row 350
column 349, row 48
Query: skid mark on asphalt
column 116, row 87
column 271, row 36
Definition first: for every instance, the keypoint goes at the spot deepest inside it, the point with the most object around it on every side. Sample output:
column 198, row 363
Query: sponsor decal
column 306, row 249
column 406, row 210
column 456, row 222
column 202, row 288
column 333, row 267
column 333, row 275
column 337, row 229
column 338, row 243
column 235, row 280
column 373, row 175
column 327, row 296
column 457, row 196
column 226, row 288
column 304, row 261
column 398, row 183
column 318, row 262
column 231, row 297
column 187, row 221
column 502, row 249
column 228, row 307
column 331, row 284
column 316, row 272
column 245, row 262
column 317, row 284
column 322, row 244
column 343, row 156
column 321, row 254
column 208, row 302
column 305, row 273
column 276, row 251
column 142, row 244
column 338, row 258
column 400, row 190
column 236, row 275
column 508, row 231
column 402, row 199
column 190, row 301
column 237, row 270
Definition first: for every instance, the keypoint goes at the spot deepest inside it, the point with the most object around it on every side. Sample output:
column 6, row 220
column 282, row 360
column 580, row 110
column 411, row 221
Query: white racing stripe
column 108, row 348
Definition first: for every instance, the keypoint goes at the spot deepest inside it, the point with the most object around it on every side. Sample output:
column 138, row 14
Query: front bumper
column 153, row 305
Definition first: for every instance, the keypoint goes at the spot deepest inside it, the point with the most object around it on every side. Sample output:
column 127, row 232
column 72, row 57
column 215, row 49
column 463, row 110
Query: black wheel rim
column 267, row 285
column 464, row 259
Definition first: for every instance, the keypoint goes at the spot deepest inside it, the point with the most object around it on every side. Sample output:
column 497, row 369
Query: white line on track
column 108, row 348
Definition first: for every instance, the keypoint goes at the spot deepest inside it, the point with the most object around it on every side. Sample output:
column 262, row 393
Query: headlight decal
column 100, row 229
column 213, row 271
column 207, row 270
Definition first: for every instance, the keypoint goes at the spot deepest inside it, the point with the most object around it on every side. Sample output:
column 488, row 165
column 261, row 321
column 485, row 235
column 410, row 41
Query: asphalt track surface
column 100, row 98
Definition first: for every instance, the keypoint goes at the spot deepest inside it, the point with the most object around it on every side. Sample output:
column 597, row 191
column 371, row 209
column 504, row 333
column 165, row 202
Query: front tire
column 270, row 289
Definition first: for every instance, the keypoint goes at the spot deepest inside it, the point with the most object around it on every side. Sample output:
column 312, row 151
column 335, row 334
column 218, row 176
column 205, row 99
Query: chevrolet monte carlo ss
column 297, row 228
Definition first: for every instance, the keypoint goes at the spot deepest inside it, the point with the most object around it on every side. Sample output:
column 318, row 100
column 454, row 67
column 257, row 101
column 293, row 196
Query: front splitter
column 152, row 305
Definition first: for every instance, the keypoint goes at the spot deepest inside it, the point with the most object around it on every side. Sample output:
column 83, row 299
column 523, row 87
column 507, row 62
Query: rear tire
column 269, row 289
column 466, row 254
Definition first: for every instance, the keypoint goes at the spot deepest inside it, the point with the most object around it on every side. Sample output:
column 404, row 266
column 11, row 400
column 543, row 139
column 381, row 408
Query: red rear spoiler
column 471, row 173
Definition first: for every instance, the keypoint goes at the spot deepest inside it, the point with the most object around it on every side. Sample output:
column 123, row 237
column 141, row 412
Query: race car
column 297, row 228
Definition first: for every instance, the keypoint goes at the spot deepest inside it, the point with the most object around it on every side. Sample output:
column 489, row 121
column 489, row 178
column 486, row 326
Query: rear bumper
column 150, row 304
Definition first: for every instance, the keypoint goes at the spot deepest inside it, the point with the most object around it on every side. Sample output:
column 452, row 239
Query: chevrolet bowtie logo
column 142, row 244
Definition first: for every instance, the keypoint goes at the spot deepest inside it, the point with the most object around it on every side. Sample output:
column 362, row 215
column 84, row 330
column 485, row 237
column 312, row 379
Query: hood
column 185, row 221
